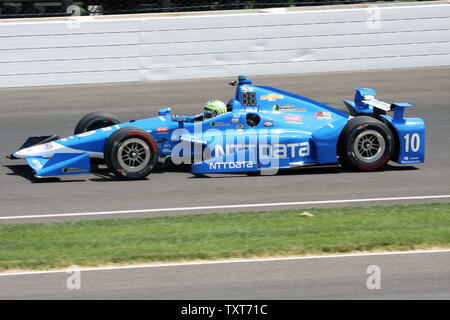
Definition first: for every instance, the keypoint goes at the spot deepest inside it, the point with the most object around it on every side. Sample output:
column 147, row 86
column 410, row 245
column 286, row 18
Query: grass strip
column 218, row 236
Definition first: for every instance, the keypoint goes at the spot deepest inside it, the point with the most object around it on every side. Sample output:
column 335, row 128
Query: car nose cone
column 41, row 150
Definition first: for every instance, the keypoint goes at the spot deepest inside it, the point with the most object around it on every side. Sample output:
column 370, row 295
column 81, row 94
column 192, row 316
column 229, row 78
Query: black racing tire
column 94, row 121
column 342, row 109
column 365, row 144
column 131, row 153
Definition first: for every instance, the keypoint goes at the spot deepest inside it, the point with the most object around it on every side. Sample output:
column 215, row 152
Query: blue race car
column 262, row 129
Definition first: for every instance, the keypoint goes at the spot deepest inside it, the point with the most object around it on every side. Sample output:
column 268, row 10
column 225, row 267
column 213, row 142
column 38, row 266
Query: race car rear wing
column 365, row 103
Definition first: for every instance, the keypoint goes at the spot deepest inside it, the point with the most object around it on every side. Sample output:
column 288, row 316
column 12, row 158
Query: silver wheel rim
column 369, row 146
column 133, row 155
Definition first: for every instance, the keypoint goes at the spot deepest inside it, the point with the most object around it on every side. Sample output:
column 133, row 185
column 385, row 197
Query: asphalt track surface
column 38, row 111
column 402, row 276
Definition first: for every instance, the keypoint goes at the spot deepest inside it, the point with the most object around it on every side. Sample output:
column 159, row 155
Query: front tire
column 94, row 121
column 366, row 144
column 131, row 153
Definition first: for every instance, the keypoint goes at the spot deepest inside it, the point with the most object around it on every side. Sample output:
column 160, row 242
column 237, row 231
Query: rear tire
column 94, row 121
column 365, row 144
column 343, row 109
column 131, row 153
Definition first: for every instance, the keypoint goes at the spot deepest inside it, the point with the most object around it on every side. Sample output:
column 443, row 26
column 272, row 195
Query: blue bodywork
column 265, row 129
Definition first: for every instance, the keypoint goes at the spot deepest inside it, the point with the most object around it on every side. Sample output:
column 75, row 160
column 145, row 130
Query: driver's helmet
column 214, row 108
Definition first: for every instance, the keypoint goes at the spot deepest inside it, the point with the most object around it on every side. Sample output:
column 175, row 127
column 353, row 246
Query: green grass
column 218, row 236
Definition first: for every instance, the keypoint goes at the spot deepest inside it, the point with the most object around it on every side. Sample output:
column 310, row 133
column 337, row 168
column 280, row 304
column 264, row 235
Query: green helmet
column 214, row 108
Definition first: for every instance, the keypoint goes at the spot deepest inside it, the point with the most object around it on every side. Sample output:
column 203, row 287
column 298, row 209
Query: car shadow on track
column 318, row 170
column 334, row 169
column 103, row 174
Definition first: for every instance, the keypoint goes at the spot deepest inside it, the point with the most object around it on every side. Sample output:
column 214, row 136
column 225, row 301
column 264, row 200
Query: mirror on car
column 164, row 112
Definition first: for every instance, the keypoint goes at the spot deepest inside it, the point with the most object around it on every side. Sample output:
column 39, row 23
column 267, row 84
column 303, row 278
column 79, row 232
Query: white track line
column 186, row 264
column 234, row 206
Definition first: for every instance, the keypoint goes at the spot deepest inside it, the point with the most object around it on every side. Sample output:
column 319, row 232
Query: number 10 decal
column 413, row 143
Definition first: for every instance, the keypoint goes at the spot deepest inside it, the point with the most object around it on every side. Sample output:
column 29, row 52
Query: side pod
column 326, row 140
column 60, row 164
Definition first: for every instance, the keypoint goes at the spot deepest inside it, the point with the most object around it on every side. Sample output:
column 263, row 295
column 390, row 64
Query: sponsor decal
column 272, row 97
column 73, row 170
column 49, row 146
column 268, row 124
column 85, row 134
column 293, row 118
column 37, row 164
column 235, row 120
column 231, row 165
column 280, row 151
column 192, row 140
column 66, row 139
column 162, row 130
column 181, row 119
column 239, row 126
column 219, row 124
column 251, row 109
column 410, row 162
column 247, row 89
column 106, row 129
column 323, row 115
column 287, row 108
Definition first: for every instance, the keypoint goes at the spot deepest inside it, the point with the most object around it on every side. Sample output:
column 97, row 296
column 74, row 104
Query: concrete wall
column 203, row 46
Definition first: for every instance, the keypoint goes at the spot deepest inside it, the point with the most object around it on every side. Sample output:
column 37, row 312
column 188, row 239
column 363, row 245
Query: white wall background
column 185, row 47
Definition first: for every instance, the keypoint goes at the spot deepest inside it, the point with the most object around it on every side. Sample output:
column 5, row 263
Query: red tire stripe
column 144, row 136
column 376, row 167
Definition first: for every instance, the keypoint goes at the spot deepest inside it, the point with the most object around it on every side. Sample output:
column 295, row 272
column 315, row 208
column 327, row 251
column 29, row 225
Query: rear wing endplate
column 366, row 103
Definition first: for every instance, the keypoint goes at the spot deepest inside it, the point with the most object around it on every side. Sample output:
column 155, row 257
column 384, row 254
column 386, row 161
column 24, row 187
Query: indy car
column 262, row 129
